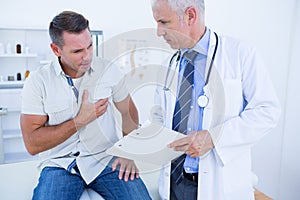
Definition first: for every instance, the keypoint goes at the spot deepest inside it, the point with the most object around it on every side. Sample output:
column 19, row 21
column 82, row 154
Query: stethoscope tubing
column 212, row 59
column 178, row 54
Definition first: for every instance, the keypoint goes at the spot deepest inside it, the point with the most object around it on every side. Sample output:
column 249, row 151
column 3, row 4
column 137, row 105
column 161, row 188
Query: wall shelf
column 18, row 55
column 12, row 148
column 12, row 134
column 11, row 84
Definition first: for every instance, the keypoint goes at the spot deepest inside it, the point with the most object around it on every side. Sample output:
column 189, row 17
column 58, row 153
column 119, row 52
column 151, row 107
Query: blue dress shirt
column 196, row 112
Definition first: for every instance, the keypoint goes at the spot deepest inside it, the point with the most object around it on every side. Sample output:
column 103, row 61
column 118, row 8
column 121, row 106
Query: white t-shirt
column 47, row 92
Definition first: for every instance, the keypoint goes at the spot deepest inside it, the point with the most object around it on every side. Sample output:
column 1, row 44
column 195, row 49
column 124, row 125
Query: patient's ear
column 56, row 49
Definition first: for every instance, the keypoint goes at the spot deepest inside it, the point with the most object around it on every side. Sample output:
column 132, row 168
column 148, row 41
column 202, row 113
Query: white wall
column 267, row 24
column 270, row 25
column 290, row 174
column 113, row 16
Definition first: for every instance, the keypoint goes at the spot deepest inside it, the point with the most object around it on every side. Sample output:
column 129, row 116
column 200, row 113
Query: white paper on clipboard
column 148, row 144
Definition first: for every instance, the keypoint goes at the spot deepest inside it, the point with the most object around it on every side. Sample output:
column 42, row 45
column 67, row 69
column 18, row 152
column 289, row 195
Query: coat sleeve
column 258, row 112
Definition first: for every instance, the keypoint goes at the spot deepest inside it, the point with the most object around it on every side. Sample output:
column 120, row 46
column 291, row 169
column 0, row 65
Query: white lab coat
column 242, row 108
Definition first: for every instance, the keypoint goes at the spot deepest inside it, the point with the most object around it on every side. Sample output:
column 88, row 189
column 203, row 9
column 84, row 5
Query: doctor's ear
column 191, row 15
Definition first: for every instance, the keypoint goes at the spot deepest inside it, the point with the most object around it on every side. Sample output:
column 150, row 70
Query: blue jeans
column 59, row 184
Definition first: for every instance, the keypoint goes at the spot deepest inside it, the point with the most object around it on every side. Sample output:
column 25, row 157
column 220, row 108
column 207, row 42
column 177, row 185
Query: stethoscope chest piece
column 202, row 101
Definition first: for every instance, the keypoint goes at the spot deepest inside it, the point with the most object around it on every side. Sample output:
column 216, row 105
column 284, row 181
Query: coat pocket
column 233, row 97
column 237, row 174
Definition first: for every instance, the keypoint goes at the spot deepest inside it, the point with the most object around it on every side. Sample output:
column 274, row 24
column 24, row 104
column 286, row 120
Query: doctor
column 232, row 106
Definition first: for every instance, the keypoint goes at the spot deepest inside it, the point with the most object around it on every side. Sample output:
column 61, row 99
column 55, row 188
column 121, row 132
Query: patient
column 67, row 118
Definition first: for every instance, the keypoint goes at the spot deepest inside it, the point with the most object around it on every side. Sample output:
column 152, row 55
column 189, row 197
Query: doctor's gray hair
column 180, row 6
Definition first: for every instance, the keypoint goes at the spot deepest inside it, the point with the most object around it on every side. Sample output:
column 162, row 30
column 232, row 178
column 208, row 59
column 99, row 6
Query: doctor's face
column 170, row 26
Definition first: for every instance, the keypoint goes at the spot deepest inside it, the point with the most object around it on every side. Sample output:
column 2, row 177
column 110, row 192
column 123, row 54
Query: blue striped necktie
column 182, row 108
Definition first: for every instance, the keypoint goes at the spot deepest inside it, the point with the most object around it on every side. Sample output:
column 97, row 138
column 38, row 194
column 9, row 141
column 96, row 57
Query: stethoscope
column 203, row 99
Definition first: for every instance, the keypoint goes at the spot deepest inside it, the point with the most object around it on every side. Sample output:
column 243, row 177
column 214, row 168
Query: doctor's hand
column 89, row 111
column 127, row 169
column 195, row 144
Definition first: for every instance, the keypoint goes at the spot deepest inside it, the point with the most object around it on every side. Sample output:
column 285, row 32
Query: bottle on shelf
column 18, row 49
column 27, row 73
column 2, row 48
column 19, row 76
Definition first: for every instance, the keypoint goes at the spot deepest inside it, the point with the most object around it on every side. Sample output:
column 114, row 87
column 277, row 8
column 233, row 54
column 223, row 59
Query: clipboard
column 148, row 145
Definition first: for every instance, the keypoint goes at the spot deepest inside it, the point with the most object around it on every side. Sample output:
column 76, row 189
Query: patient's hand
column 89, row 111
column 127, row 168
